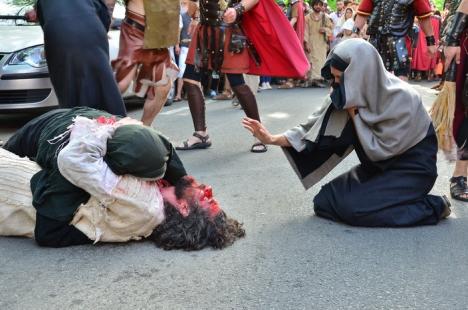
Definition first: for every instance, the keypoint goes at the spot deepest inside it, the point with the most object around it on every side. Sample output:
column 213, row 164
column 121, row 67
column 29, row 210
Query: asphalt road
column 290, row 259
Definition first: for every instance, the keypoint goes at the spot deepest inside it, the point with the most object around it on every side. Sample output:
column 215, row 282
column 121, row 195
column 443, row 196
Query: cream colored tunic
column 317, row 42
column 17, row 215
column 121, row 208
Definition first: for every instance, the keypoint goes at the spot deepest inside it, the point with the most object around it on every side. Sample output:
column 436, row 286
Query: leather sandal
column 203, row 144
column 258, row 147
column 223, row 96
column 287, row 85
column 459, row 188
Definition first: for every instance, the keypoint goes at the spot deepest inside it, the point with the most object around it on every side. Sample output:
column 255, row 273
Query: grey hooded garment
column 391, row 118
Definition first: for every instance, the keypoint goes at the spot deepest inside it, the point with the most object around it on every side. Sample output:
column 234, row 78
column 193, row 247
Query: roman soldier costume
column 388, row 25
column 260, row 41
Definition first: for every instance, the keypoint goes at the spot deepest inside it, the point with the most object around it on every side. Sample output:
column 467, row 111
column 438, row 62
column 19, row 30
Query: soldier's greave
column 197, row 105
column 247, row 100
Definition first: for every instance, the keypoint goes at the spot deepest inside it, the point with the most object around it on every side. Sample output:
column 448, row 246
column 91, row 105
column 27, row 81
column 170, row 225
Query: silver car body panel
column 23, row 87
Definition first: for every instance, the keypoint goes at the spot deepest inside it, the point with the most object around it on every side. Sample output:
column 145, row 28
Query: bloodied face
column 190, row 194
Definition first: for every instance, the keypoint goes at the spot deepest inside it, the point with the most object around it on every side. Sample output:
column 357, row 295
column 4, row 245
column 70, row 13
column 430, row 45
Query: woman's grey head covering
column 391, row 116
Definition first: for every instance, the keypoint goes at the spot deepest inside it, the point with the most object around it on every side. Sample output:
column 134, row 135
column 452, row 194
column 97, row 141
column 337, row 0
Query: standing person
column 317, row 31
column 389, row 24
column 147, row 32
column 336, row 16
column 396, row 145
column 456, row 49
column 77, row 53
column 219, row 44
column 421, row 61
column 297, row 21
column 183, row 46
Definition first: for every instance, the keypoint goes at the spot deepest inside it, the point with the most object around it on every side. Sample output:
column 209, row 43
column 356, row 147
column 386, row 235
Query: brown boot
column 196, row 104
column 249, row 104
column 247, row 101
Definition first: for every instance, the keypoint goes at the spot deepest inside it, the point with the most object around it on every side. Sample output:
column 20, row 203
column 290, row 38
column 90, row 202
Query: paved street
column 290, row 259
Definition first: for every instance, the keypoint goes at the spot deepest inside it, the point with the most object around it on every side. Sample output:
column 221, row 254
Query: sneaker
column 212, row 94
column 263, row 86
column 268, row 85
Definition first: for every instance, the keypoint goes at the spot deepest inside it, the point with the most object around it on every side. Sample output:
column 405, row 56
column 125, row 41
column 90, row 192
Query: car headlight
column 33, row 56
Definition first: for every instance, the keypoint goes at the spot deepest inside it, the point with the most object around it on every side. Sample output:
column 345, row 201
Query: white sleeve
column 81, row 161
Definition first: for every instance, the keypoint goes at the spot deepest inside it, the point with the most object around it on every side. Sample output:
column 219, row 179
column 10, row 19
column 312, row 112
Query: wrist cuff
column 240, row 9
column 430, row 40
column 457, row 26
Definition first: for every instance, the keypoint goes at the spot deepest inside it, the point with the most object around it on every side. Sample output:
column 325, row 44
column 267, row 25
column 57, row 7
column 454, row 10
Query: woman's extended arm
column 261, row 133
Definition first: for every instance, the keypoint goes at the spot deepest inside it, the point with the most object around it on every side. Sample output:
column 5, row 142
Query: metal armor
column 211, row 11
column 391, row 17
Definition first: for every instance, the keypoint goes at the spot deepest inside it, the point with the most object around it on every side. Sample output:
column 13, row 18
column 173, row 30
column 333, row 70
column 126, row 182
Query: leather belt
column 134, row 24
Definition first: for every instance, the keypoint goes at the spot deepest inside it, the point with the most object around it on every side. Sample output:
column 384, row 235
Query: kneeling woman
column 382, row 118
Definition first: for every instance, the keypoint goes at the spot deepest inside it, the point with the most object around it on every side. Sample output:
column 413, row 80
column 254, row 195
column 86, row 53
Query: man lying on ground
column 102, row 179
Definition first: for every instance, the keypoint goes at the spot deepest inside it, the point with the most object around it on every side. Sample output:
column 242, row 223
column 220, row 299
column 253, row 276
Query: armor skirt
column 209, row 50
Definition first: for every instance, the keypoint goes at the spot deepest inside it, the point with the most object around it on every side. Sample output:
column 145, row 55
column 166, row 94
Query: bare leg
column 153, row 107
column 125, row 82
column 461, row 168
column 180, row 84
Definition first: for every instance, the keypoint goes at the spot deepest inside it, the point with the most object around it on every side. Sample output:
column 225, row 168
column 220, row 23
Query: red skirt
column 229, row 61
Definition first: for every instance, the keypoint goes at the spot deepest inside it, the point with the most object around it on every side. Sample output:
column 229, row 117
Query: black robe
column 77, row 53
column 388, row 193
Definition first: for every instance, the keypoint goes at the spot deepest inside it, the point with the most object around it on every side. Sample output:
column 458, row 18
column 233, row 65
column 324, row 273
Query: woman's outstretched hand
column 258, row 130
column 262, row 134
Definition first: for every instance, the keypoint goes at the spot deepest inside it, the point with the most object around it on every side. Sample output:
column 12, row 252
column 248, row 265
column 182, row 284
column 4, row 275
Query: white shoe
column 268, row 85
column 263, row 86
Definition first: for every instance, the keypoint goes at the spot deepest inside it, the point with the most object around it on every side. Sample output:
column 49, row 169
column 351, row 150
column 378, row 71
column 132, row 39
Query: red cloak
column 300, row 23
column 421, row 60
column 276, row 42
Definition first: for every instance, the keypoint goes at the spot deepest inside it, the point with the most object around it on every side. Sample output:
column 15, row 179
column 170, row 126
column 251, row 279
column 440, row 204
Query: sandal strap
column 459, row 181
column 458, row 186
column 203, row 139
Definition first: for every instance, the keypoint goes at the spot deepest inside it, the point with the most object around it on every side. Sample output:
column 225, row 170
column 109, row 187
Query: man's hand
column 230, row 16
column 451, row 52
column 258, row 130
column 177, row 49
column 321, row 30
column 31, row 16
column 432, row 51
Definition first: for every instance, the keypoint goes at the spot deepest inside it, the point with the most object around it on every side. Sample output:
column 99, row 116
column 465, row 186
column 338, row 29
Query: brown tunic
column 151, row 63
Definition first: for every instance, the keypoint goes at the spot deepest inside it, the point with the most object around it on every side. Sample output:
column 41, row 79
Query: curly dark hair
column 197, row 230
